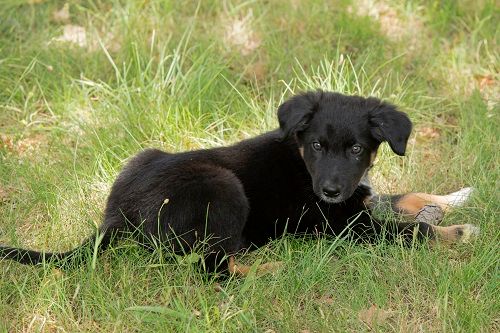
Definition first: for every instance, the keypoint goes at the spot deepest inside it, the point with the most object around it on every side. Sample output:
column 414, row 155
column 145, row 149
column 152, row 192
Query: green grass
column 164, row 74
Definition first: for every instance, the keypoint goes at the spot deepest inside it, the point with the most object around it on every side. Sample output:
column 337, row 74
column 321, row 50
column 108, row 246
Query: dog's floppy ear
column 294, row 114
column 389, row 124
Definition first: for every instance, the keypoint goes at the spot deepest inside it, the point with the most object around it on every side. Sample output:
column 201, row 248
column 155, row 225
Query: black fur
column 244, row 195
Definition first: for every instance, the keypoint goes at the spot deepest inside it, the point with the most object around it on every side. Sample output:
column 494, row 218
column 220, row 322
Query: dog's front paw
column 459, row 198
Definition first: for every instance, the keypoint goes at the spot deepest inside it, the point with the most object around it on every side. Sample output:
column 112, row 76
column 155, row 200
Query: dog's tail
column 98, row 242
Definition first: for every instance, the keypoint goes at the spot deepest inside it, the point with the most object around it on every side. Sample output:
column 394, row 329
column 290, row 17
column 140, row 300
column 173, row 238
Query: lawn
column 84, row 85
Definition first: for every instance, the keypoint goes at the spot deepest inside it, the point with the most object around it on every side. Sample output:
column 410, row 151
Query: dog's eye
column 356, row 149
column 316, row 145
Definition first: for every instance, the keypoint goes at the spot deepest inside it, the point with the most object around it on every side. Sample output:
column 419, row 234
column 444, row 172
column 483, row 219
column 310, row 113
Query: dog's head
column 338, row 137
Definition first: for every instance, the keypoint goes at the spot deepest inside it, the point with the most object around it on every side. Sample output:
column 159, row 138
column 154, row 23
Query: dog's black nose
column 331, row 191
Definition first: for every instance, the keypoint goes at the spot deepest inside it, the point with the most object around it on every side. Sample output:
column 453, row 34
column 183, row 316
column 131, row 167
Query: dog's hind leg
column 205, row 213
column 412, row 203
column 423, row 206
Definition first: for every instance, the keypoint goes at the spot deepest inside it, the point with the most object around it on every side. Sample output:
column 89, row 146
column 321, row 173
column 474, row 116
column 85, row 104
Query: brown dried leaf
column 485, row 81
column 374, row 315
column 7, row 142
column 490, row 91
column 61, row 15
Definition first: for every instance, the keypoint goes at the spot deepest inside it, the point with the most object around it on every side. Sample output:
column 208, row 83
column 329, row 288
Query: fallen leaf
column 7, row 142
column 61, row 15
column 485, row 81
column 374, row 315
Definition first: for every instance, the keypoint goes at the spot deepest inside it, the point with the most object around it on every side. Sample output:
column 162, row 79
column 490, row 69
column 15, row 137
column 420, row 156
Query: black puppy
column 308, row 176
